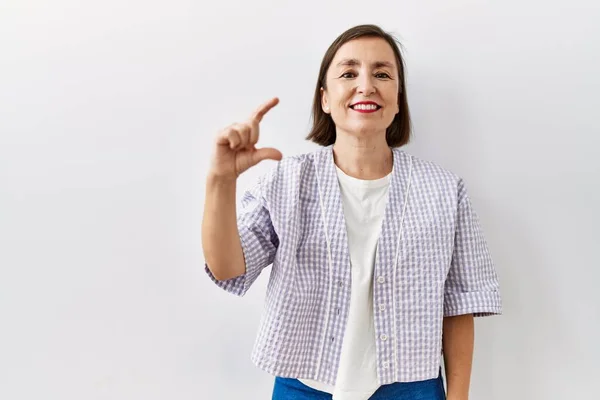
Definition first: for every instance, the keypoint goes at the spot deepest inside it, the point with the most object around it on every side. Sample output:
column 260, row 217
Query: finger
column 244, row 134
column 260, row 112
column 254, row 133
column 223, row 137
column 267, row 153
column 234, row 138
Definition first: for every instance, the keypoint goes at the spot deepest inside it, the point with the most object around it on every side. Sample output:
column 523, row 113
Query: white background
column 107, row 114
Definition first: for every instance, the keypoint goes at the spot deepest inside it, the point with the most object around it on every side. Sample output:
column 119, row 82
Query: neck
column 363, row 158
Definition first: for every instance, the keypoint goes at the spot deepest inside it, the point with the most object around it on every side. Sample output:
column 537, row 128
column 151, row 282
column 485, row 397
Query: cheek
column 339, row 94
column 392, row 94
column 342, row 106
column 392, row 102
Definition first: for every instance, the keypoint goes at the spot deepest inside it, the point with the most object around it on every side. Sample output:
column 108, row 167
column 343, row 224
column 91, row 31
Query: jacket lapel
column 390, row 228
column 333, row 211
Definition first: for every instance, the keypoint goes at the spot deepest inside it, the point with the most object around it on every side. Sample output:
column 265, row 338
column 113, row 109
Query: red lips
column 365, row 107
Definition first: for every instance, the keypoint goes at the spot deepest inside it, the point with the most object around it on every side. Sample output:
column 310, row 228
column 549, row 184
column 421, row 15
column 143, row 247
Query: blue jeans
column 431, row 389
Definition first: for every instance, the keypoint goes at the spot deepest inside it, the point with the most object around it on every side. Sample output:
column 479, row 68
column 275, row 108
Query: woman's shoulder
column 290, row 167
column 428, row 168
column 284, row 177
column 431, row 175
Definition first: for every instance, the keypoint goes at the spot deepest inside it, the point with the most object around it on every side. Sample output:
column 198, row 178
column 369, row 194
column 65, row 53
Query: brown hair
column 323, row 130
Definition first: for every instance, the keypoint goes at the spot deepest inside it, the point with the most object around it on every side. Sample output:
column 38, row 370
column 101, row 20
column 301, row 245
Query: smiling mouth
column 365, row 108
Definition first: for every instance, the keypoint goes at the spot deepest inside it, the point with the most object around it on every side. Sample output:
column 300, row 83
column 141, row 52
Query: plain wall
column 107, row 116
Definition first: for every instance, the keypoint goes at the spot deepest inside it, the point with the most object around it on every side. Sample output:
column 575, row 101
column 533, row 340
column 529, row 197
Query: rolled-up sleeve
column 258, row 238
column 472, row 285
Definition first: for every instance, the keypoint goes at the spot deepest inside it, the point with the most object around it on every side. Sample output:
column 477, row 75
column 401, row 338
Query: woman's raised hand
column 235, row 150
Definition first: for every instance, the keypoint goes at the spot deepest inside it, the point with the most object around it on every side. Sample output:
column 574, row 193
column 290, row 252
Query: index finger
column 264, row 108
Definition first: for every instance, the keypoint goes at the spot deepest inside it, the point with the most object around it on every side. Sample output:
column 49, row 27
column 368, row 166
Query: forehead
column 365, row 50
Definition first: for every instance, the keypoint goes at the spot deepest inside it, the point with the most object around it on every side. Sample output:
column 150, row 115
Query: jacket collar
column 335, row 222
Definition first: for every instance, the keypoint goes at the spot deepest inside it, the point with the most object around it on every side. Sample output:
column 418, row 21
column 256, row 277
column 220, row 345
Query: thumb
column 267, row 153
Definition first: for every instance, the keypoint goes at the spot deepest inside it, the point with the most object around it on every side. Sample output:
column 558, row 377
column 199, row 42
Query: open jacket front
column 432, row 261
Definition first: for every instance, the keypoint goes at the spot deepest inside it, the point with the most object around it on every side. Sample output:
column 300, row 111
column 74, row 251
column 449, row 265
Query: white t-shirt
column 364, row 203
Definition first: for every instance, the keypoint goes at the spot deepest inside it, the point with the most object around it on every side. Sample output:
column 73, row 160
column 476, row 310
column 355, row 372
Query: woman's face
column 362, row 88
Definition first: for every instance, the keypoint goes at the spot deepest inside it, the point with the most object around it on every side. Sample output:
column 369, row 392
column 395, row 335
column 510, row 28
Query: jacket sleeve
column 258, row 238
column 472, row 285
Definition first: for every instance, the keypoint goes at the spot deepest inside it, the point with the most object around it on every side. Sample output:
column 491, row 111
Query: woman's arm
column 220, row 238
column 234, row 152
column 458, row 341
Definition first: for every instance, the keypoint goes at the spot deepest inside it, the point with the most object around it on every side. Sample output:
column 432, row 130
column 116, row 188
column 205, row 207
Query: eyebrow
column 351, row 62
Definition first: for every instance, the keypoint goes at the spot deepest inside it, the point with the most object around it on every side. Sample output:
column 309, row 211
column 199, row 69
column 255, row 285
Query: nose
column 365, row 85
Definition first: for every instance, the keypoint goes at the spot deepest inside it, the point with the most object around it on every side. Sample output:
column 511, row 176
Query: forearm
column 458, row 341
column 220, row 237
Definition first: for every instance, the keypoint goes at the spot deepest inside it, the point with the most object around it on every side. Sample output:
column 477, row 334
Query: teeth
column 365, row 107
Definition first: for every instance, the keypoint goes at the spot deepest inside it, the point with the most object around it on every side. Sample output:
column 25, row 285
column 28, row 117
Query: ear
column 324, row 102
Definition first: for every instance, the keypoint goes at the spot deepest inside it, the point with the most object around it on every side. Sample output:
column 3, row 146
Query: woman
column 378, row 257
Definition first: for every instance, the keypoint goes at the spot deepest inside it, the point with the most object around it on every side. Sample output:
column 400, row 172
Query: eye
column 382, row 75
column 348, row 75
